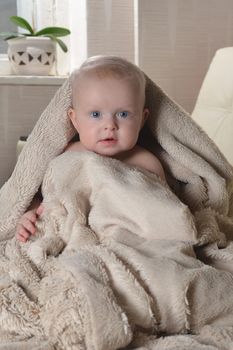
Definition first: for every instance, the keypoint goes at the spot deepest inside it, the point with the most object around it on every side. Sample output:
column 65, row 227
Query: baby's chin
column 108, row 154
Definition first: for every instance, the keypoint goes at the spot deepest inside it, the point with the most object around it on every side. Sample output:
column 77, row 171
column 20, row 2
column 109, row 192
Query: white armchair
column 214, row 106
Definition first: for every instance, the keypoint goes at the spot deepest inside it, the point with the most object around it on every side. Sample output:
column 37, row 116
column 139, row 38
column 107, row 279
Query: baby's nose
column 110, row 124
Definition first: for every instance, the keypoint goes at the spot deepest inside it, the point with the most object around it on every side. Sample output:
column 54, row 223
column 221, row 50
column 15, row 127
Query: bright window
column 97, row 26
column 7, row 8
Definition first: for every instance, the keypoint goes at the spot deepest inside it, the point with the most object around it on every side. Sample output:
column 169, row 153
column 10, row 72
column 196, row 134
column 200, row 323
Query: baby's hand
column 26, row 226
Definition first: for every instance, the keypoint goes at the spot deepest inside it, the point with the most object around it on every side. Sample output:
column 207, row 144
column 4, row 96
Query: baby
column 108, row 111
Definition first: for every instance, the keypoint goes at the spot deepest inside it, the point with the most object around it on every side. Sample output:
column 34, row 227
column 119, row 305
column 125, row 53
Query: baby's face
column 108, row 114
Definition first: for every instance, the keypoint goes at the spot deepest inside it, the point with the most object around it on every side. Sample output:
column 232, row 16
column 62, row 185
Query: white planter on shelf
column 32, row 55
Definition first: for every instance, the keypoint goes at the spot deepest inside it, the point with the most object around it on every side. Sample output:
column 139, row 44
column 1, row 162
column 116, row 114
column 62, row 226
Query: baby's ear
column 70, row 113
column 72, row 116
column 145, row 115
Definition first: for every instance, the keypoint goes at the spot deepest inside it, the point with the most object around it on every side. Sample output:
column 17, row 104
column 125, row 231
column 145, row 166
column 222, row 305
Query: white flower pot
column 32, row 55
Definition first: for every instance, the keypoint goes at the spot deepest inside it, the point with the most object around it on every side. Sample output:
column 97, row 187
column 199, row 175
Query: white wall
column 20, row 107
column 101, row 27
column 177, row 40
column 110, row 28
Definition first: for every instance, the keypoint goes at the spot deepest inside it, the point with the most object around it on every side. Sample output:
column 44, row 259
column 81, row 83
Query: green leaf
column 59, row 42
column 54, row 31
column 21, row 22
column 11, row 37
column 6, row 34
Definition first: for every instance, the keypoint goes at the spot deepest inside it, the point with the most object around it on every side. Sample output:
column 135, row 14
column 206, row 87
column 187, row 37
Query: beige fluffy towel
column 102, row 273
column 196, row 170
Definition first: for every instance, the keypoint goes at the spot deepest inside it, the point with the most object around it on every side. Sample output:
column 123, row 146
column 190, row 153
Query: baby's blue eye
column 95, row 114
column 123, row 114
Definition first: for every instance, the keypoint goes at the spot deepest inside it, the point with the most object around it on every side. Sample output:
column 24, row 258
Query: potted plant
column 33, row 52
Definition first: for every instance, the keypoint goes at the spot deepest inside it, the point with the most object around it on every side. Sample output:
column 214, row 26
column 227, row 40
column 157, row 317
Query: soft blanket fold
column 101, row 269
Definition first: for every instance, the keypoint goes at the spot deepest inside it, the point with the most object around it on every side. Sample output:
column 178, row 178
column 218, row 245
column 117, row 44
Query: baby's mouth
column 108, row 140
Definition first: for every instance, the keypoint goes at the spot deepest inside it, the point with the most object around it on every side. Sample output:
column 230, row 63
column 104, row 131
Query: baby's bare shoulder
column 142, row 158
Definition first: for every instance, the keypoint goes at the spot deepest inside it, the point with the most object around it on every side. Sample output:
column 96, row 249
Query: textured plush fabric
column 100, row 268
column 120, row 258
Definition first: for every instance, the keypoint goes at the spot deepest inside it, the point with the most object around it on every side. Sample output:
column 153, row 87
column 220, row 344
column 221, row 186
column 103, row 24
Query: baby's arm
column 26, row 225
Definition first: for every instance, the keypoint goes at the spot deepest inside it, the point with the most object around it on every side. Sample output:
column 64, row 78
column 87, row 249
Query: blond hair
column 111, row 66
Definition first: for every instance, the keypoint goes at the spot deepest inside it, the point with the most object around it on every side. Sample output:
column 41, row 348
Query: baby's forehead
column 100, row 73
column 79, row 78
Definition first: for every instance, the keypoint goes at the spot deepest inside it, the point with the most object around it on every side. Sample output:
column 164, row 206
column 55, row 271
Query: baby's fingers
column 29, row 226
column 22, row 235
column 29, row 216
column 39, row 210
column 20, row 238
